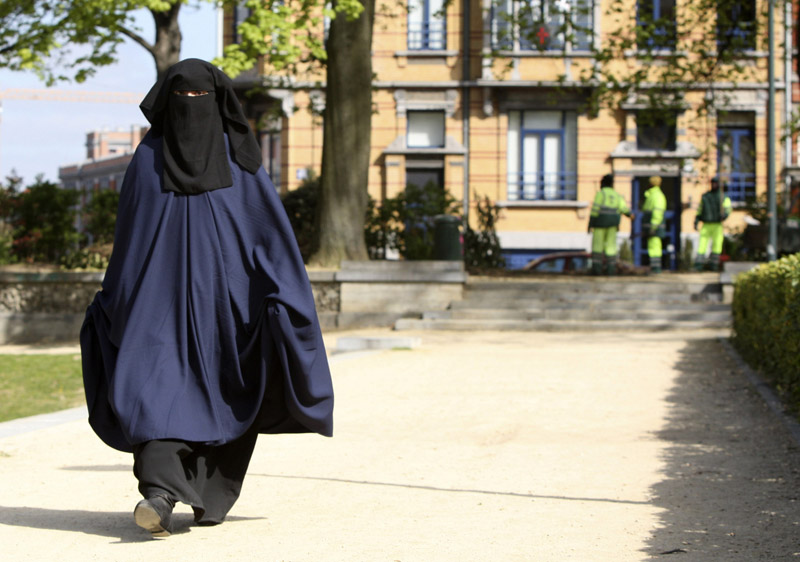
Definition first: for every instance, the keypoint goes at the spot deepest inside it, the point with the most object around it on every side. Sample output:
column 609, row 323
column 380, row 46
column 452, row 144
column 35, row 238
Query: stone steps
column 472, row 300
column 555, row 326
column 585, row 304
column 588, row 314
column 559, row 303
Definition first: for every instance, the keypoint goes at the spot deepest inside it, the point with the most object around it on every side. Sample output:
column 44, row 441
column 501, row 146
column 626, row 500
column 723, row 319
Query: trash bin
column 447, row 238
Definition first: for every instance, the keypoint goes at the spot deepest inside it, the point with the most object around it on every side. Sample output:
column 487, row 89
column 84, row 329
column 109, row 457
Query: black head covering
column 192, row 127
column 607, row 180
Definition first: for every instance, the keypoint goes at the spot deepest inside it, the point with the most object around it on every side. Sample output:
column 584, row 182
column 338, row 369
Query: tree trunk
column 346, row 140
column 167, row 48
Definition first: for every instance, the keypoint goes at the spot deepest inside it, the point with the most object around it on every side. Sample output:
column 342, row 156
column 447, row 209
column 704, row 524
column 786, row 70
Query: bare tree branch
column 138, row 39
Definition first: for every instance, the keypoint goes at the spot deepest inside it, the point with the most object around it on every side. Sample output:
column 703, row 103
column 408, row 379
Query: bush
column 626, row 252
column 8, row 194
column 766, row 323
column 100, row 216
column 301, row 207
column 482, row 247
column 93, row 257
column 405, row 222
column 379, row 233
column 686, row 256
column 413, row 212
column 43, row 222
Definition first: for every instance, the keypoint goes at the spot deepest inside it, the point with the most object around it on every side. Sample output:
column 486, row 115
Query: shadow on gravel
column 449, row 490
column 115, row 525
column 731, row 470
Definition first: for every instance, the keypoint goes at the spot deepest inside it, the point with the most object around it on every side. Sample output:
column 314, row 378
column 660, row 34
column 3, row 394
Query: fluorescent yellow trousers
column 654, row 248
column 604, row 248
column 710, row 232
column 604, row 240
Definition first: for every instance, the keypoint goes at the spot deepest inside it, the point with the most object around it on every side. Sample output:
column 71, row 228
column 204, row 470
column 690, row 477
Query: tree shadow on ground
column 115, row 525
column 731, row 468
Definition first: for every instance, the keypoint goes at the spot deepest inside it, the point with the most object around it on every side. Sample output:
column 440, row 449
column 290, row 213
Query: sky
column 36, row 137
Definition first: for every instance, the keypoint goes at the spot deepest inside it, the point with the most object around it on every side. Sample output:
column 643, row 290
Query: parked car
column 576, row 262
column 560, row 262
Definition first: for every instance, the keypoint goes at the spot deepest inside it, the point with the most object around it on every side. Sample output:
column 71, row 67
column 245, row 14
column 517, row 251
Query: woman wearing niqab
column 205, row 332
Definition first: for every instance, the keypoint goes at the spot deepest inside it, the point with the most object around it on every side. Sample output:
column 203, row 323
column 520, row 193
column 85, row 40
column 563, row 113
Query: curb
column 42, row 421
column 764, row 390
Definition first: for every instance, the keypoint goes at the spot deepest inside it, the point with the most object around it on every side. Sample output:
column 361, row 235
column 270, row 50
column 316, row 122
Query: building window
column 542, row 155
column 427, row 25
column 542, row 25
column 656, row 28
column 240, row 13
column 656, row 130
column 271, row 155
column 424, row 177
column 736, row 25
column 425, row 129
column 736, row 154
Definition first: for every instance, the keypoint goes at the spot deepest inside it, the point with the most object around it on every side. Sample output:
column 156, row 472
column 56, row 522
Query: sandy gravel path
column 475, row 446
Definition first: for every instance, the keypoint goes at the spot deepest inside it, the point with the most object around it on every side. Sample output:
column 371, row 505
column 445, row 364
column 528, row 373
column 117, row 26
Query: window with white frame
column 542, row 155
column 546, row 25
column 427, row 25
column 425, row 129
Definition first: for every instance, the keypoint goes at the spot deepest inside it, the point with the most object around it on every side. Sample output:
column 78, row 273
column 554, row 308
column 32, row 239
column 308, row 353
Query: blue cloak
column 205, row 324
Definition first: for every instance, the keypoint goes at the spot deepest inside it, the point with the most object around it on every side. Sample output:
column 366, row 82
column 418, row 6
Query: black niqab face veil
column 192, row 127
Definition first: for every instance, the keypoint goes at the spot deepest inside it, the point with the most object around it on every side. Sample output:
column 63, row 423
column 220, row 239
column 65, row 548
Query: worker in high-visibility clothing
column 654, row 207
column 714, row 208
column 604, row 222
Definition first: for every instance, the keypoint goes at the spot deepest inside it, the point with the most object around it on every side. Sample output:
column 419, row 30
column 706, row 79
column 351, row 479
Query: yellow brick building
column 461, row 100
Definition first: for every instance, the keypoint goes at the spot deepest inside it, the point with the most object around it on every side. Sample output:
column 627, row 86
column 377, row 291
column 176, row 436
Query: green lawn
column 36, row 384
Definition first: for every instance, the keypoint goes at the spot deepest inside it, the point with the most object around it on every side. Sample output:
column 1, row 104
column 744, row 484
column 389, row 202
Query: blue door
column 671, row 243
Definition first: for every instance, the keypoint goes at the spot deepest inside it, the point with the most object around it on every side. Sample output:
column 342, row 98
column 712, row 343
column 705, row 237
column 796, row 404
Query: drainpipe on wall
column 772, row 246
column 220, row 30
column 465, row 104
column 787, row 103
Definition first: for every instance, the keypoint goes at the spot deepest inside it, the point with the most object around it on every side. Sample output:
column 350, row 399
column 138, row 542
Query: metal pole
column 772, row 207
column 787, row 80
column 788, row 146
column 1, row 120
column 465, row 105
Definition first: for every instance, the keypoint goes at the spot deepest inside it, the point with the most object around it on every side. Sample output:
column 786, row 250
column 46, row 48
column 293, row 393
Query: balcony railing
column 542, row 186
column 427, row 35
column 741, row 186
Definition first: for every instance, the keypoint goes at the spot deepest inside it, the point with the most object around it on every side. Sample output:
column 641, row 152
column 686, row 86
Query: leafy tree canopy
column 293, row 30
column 68, row 39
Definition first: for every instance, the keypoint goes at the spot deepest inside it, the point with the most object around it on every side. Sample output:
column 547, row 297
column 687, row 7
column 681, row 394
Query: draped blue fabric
column 206, row 323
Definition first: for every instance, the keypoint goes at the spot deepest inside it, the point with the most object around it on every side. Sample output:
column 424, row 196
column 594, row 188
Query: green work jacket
column 607, row 208
column 710, row 211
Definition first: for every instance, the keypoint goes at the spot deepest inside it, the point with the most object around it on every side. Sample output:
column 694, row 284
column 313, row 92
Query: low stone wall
column 50, row 307
column 44, row 307
column 377, row 293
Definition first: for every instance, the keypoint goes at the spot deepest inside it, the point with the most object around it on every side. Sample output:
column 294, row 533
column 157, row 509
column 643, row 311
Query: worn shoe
column 154, row 515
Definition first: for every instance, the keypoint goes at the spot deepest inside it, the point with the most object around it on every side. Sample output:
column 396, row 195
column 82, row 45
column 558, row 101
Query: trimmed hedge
column 766, row 323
